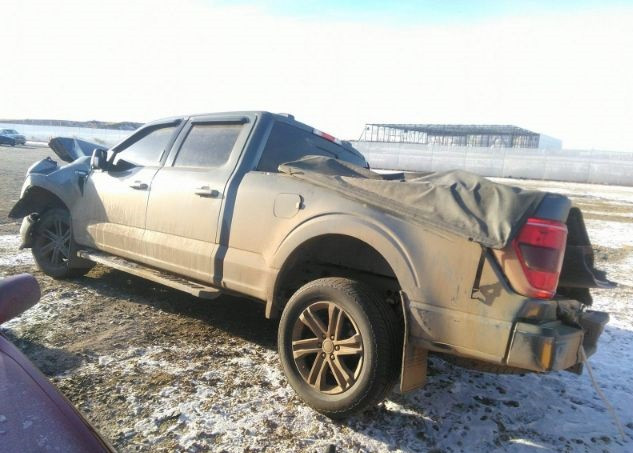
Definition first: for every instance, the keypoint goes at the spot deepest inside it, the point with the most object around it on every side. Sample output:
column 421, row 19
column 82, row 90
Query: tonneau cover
column 463, row 203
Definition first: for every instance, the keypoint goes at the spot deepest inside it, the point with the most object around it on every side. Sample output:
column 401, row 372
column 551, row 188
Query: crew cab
column 367, row 273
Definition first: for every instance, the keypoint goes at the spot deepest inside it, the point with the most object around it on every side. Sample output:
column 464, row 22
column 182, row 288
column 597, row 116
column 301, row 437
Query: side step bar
column 164, row 278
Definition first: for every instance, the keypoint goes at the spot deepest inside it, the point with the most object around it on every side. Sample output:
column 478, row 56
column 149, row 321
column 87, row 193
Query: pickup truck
column 367, row 273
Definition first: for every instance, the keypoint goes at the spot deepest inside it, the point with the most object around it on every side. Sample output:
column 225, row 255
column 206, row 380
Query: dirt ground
column 155, row 369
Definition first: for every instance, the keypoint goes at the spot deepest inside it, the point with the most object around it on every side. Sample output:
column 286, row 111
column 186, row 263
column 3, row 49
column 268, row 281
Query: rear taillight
column 540, row 248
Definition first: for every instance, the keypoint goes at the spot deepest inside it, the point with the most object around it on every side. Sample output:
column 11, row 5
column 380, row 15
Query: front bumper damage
column 26, row 230
column 555, row 345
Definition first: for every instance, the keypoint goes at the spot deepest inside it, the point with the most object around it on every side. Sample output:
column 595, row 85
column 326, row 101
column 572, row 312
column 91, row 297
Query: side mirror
column 99, row 159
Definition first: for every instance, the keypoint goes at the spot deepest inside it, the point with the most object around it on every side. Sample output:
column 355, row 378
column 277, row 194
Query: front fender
column 60, row 188
column 37, row 193
column 372, row 233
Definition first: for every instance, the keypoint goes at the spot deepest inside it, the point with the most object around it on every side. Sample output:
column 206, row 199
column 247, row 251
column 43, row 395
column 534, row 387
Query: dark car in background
column 34, row 415
column 11, row 137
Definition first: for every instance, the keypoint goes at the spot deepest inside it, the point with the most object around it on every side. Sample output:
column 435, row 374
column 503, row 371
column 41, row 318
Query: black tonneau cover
column 463, row 203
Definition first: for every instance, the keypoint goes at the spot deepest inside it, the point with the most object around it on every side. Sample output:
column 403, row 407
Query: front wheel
column 53, row 246
column 340, row 346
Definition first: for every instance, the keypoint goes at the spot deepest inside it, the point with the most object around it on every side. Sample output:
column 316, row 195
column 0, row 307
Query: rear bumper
column 553, row 345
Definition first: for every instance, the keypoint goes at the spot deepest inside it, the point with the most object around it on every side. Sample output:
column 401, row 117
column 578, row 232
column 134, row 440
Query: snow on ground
column 9, row 253
column 157, row 376
column 610, row 233
column 576, row 190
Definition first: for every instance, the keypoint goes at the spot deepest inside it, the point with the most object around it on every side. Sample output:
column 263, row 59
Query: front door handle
column 205, row 191
column 138, row 185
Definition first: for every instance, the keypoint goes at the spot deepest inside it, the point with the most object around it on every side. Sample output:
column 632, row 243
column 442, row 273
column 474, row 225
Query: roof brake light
column 326, row 136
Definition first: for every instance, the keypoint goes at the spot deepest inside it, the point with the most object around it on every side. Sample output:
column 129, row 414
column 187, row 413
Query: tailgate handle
column 205, row 191
column 138, row 185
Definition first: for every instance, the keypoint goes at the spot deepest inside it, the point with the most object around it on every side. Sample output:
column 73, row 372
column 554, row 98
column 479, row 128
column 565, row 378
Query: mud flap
column 414, row 358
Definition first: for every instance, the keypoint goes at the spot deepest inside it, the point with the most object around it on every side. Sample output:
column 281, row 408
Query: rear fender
column 389, row 246
column 383, row 241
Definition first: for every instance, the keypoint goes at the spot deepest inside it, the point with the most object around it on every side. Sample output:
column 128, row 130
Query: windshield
column 9, row 131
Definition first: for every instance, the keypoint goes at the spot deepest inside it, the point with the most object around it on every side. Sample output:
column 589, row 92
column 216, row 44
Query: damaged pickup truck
column 368, row 273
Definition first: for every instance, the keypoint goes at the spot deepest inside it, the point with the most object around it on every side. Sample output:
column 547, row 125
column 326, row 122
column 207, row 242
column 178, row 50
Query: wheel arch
column 346, row 227
column 37, row 198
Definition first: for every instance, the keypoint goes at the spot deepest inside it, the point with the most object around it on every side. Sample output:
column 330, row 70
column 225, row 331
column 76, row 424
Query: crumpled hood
column 69, row 149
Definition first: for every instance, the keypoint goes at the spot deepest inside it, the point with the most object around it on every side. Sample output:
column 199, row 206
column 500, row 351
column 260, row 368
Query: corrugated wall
column 597, row 167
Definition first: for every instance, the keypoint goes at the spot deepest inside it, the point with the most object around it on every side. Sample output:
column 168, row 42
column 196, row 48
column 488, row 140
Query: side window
column 148, row 149
column 288, row 143
column 207, row 145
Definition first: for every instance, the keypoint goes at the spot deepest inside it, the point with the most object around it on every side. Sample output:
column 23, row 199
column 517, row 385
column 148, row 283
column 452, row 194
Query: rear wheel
column 53, row 246
column 340, row 346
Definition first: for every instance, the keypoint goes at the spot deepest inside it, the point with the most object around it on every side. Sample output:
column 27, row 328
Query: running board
column 164, row 278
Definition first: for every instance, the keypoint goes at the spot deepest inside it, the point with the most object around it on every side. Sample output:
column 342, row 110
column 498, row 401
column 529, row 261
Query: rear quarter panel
column 435, row 269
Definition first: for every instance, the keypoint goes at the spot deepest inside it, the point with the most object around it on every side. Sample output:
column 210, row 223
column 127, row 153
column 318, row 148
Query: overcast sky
column 563, row 68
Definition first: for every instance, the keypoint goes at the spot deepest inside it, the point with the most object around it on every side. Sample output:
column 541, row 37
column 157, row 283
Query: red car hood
column 34, row 416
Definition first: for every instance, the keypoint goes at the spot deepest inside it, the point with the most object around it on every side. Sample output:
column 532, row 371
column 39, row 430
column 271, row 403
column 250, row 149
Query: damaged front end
column 49, row 185
column 26, row 230
column 69, row 148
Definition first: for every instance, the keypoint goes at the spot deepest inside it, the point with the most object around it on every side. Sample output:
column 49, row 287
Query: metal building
column 498, row 136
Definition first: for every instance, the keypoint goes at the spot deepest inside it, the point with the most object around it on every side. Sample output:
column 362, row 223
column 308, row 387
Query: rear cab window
column 287, row 143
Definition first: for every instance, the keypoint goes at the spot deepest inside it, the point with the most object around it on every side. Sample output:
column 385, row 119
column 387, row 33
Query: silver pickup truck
column 368, row 273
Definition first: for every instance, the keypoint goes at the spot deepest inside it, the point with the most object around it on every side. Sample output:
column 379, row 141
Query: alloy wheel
column 55, row 246
column 327, row 348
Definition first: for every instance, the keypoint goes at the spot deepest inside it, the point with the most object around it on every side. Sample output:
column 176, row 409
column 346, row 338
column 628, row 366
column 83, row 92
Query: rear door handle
column 205, row 191
column 138, row 185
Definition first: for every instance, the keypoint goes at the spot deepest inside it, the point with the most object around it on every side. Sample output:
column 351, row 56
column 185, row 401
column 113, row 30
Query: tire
column 355, row 361
column 54, row 248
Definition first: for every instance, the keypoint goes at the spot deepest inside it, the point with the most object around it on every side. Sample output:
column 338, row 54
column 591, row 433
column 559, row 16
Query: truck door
column 111, row 213
column 188, row 194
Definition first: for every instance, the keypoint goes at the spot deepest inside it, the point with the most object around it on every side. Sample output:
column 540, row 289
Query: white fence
column 598, row 167
column 39, row 133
